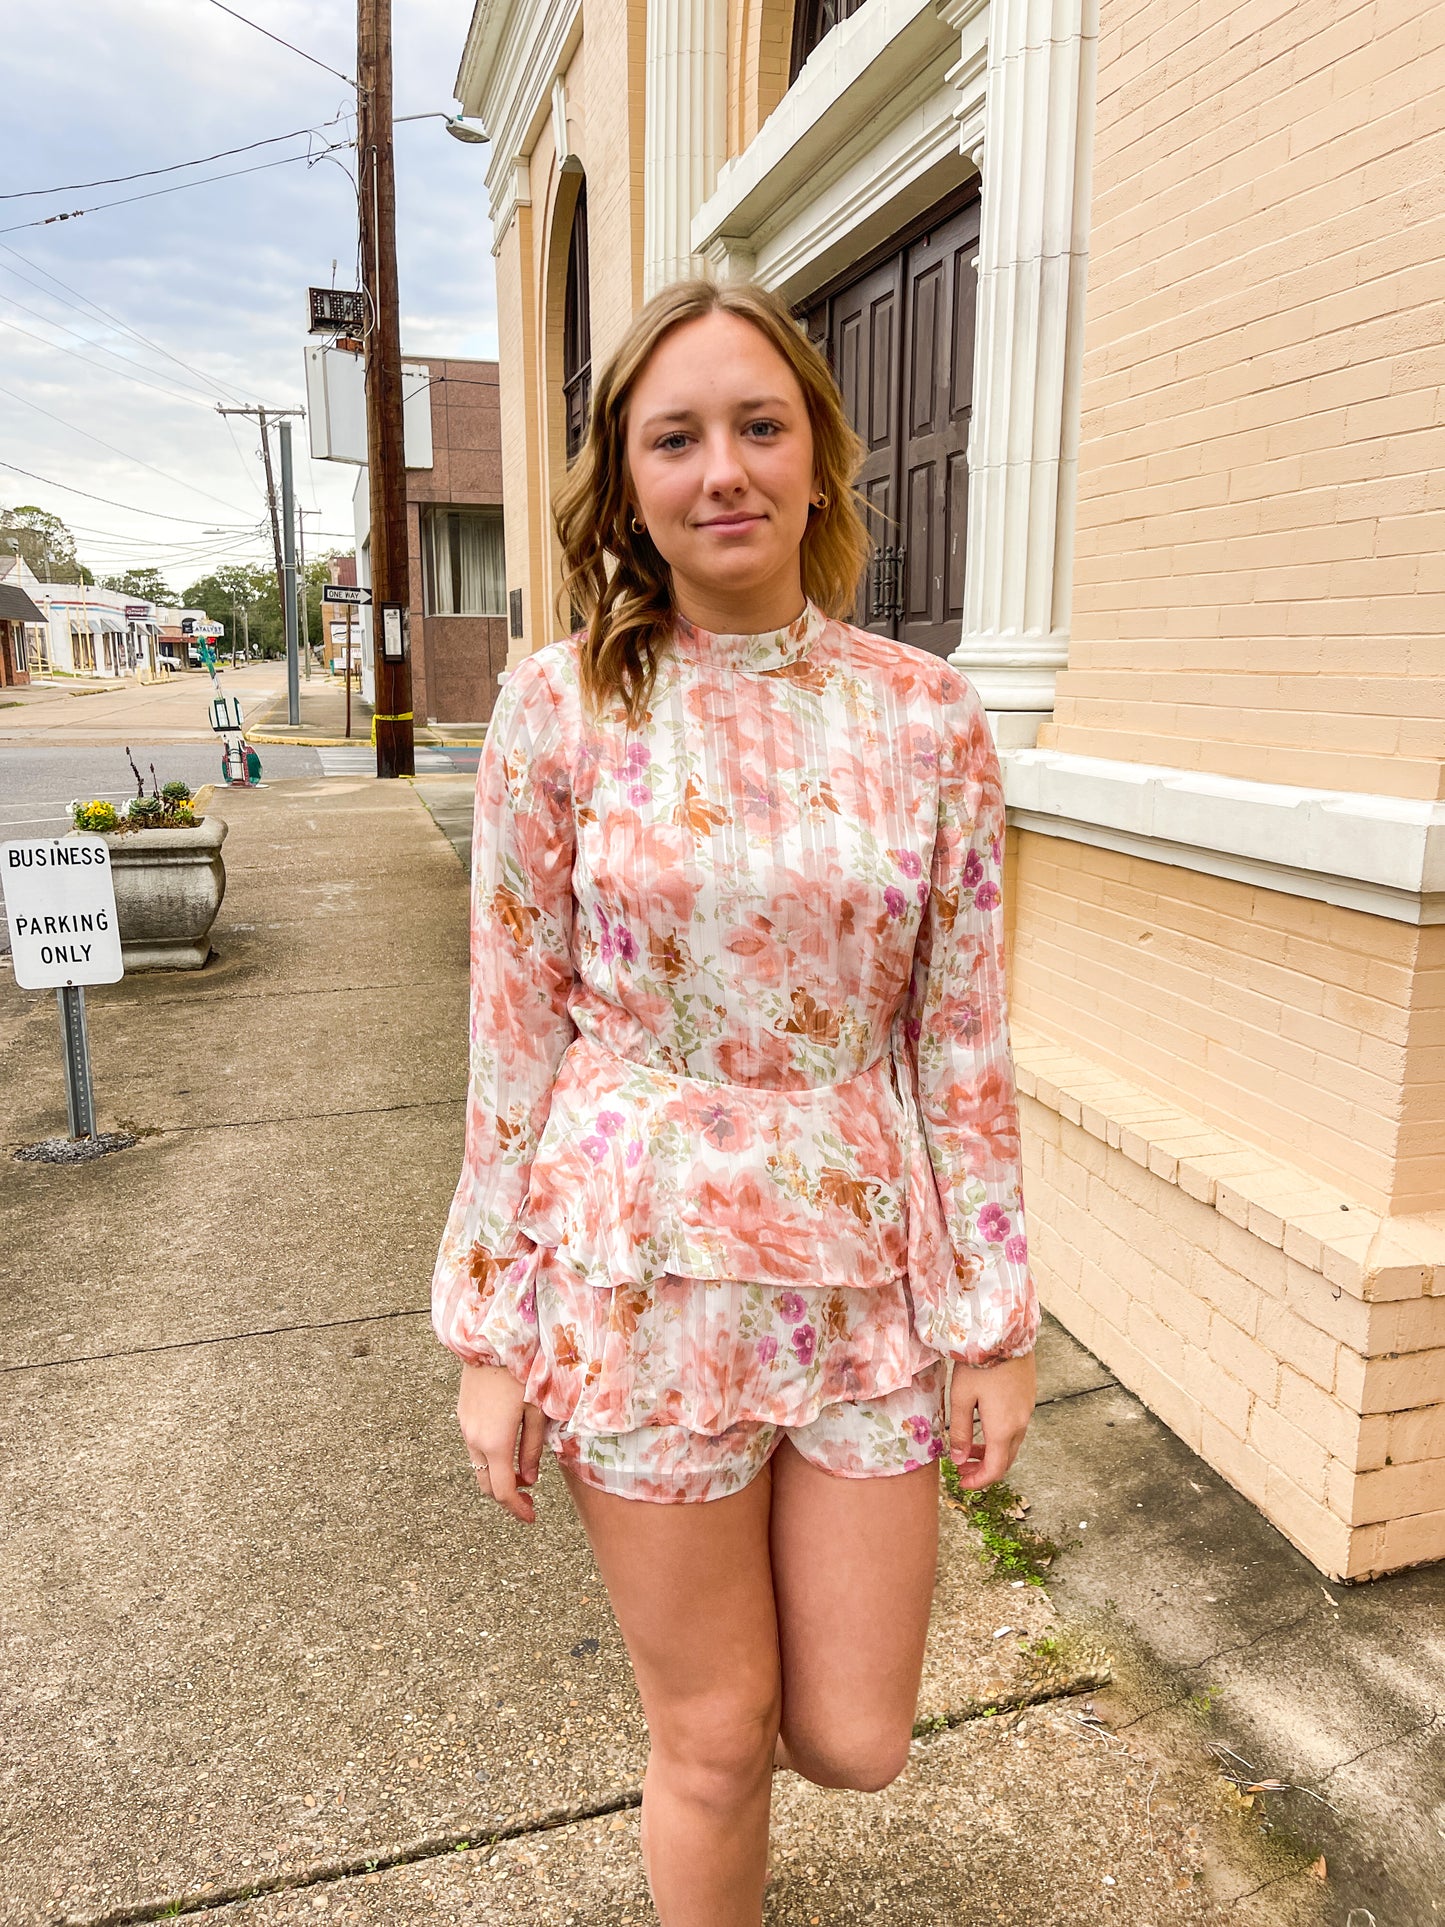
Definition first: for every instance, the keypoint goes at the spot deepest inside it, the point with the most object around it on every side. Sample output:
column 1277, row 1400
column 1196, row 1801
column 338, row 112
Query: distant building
column 21, row 622
column 77, row 629
column 458, row 563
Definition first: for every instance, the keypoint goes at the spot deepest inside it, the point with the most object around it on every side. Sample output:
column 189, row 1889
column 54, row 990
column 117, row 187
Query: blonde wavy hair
column 615, row 577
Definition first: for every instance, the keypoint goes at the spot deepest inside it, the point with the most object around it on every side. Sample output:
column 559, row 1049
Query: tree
column 146, row 585
column 236, row 591
column 227, row 592
column 43, row 543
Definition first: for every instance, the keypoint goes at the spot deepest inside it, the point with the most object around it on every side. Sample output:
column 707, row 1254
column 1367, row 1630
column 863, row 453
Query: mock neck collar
column 768, row 649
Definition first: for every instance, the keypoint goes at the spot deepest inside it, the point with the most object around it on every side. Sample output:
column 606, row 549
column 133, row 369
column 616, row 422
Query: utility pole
column 385, row 447
column 278, row 414
column 288, row 593
column 302, row 591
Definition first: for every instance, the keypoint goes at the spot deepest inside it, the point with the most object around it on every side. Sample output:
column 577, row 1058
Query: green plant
column 996, row 1514
column 98, row 815
column 146, row 811
column 176, row 791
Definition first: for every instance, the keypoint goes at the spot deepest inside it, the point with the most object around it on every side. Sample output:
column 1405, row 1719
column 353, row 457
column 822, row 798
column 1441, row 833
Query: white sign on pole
column 60, row 902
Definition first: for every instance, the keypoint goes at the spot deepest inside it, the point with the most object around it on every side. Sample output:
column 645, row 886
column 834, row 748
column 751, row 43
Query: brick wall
column 760, row 39
column 1312, row 1384
column 1295, row 1022
column 1260, row 574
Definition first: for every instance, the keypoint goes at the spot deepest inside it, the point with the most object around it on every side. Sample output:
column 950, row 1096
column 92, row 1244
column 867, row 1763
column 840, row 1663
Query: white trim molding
column 513, row 54
column 864, row 139
column 1384, row 855
column 1037, row 150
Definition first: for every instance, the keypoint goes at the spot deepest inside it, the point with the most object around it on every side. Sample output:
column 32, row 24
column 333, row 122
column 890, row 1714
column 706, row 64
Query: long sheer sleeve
column 483, row 1307
column 955, row 1022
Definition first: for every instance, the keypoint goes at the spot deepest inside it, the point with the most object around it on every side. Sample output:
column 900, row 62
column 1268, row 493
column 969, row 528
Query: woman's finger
column 503, row 1475
column 534, row 1432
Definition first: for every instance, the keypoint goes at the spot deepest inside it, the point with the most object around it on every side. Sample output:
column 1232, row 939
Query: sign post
column 64, row 934
column 351, row 598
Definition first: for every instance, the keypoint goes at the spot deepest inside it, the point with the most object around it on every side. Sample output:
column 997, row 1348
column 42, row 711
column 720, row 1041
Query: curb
column 310, row 742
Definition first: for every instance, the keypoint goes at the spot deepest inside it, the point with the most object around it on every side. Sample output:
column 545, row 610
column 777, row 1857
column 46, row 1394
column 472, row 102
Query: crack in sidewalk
column 444, row 1846
column 220, row 1338
column 290, row 1117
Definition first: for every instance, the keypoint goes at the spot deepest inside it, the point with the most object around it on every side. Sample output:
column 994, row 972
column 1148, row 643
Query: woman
column 741, row 1201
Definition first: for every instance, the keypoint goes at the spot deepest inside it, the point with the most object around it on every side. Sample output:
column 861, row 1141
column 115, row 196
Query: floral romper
column 742, row 1151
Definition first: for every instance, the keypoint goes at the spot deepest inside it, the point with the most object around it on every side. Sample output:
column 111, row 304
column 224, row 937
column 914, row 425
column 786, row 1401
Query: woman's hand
column 1003, row 1397
column 492, row 1415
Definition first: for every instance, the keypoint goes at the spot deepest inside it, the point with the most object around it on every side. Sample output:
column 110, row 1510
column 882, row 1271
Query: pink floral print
column 741, row 1135
column 859, row 1439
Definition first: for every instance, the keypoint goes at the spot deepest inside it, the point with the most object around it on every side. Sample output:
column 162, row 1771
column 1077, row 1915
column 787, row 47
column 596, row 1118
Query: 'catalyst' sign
column 60, row 902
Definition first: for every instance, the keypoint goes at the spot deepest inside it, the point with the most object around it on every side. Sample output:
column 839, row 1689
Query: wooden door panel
column 900, row 342
column 938, row 319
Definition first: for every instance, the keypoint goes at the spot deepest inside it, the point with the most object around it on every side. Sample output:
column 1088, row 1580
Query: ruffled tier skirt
column 704, row 1353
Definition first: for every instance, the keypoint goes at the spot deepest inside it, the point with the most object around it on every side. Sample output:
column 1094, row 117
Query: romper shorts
column 853, row 1439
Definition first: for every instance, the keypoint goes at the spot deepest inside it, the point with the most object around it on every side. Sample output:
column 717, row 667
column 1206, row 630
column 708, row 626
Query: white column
column 685, row 130
column 1023, row 448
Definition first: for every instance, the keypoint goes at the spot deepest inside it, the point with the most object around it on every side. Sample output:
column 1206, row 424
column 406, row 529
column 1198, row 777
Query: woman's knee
column 858, row 1762
column 720, row 1747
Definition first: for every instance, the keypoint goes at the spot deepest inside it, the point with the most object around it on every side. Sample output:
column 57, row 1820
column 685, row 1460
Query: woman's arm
column 521, row 979
column 956, row 1020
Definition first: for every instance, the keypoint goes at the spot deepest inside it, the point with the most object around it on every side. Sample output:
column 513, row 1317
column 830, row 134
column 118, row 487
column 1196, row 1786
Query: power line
column 283, row 43
column 107, row 314
column 171, row 394
column 124, row 454
column 128, row 200
column 161, row 515
column 86, row 341
column 176, row 167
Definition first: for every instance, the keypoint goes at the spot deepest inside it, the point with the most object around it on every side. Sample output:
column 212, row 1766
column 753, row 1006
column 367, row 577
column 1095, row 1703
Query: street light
column 458, row 126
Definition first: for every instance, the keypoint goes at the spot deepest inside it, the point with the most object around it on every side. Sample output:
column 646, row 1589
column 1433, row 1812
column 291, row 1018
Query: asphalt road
column 37, row 786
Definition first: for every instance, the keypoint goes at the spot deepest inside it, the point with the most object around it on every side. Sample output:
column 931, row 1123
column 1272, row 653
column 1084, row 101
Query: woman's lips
column 728, row 522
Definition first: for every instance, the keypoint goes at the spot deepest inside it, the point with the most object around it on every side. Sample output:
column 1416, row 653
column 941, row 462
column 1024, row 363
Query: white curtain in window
column 483, row 573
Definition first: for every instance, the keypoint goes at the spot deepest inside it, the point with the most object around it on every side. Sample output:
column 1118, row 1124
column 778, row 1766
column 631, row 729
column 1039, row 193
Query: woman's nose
column 723, row 469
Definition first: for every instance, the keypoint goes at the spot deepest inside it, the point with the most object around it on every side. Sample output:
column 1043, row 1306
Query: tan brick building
column 1139, row 309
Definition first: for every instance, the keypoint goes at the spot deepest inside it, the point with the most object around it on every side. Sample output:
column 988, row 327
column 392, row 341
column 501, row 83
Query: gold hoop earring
column 637, row 527
column 822, row 501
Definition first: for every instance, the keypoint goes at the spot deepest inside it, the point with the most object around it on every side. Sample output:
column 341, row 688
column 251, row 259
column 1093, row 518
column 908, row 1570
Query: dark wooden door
column 900, row 341
column 865, row 325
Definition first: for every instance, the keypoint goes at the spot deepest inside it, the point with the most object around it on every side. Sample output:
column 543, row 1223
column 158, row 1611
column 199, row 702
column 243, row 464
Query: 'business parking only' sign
column 60, row 901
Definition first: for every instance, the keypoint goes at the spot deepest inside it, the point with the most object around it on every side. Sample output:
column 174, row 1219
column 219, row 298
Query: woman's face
column 720, row 455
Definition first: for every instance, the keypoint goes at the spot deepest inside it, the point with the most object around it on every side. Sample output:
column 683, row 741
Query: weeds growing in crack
column 998, row 1515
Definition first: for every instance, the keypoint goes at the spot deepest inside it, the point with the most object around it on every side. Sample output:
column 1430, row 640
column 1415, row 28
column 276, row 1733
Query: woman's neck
column 741, row 611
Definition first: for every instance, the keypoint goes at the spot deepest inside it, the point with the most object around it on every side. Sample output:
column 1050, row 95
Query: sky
column 214, row 277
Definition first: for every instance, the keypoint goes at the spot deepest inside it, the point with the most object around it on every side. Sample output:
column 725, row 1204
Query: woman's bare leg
column 853, row 1564
column 692, row 1590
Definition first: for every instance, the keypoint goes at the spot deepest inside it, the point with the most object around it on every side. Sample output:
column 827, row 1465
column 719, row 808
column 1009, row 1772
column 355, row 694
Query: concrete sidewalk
column 175, row 710
column 321, row 705
column 266, row 1655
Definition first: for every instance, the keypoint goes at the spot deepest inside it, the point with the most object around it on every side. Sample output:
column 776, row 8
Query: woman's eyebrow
column 690, row 414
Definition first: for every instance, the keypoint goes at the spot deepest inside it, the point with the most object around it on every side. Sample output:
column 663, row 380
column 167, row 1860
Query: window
column 813, row 21
column 463, row 567
column 577, row 332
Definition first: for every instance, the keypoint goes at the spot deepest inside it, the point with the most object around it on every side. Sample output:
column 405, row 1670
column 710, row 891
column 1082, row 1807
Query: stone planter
column 168, row 890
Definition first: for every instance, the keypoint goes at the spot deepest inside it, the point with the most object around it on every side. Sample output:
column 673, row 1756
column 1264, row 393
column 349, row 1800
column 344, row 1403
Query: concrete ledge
column 1384, row 855
column 1289, row 1335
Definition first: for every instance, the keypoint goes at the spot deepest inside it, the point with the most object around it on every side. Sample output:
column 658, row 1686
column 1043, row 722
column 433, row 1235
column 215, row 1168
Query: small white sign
column 60, row 902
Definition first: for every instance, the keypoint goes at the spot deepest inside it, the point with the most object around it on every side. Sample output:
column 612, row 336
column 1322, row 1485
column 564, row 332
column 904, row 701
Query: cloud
column 215, row 276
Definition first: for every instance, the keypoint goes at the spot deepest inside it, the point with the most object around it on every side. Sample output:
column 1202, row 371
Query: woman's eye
column 673, row 441
column 768, row 428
